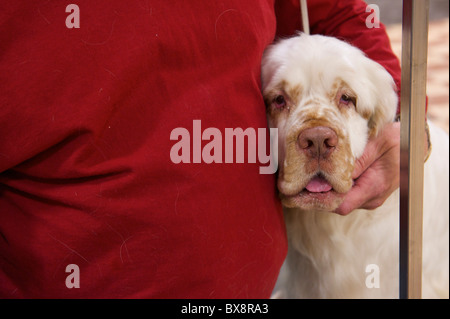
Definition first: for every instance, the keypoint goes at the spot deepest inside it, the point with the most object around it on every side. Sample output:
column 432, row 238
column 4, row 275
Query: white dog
column 327, row 99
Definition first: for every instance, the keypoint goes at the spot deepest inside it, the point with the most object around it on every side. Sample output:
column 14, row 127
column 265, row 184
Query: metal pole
column 413, row 100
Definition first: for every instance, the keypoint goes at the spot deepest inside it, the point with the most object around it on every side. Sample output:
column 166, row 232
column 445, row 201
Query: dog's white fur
column 330, row 255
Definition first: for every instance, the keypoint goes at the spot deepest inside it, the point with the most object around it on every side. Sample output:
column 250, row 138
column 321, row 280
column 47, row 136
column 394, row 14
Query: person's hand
column 376, row 173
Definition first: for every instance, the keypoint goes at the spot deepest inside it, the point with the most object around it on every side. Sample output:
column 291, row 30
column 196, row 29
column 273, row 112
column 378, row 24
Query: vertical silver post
column 413, row 100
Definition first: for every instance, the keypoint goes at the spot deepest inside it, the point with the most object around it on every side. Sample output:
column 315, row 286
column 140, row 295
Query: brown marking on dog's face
column 297, row 169
column 291, row 95
column 376, row 121
column 294, row 92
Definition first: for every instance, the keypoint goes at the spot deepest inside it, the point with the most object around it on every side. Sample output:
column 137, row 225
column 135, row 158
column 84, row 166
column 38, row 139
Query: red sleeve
column 345, row 20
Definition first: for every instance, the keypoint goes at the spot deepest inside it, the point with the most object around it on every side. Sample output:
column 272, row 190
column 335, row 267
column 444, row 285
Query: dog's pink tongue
column 318, row 185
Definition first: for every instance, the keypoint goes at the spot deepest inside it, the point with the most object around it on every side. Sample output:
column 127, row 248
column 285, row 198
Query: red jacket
column 86, row 116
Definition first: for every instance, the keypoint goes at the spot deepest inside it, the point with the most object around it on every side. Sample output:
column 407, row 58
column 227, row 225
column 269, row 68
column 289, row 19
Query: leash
column 305, row 19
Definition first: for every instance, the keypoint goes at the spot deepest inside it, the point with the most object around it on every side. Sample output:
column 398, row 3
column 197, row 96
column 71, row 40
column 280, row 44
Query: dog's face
column 326, row 98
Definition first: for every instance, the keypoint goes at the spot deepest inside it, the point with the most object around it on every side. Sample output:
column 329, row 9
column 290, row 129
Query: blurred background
column 438, row 48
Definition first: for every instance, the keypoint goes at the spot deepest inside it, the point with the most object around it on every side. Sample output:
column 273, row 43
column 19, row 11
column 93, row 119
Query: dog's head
column 326, row 98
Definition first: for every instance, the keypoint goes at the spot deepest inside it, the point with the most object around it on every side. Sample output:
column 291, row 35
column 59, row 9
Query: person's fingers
column 371, row 189
column 376, row 147
column 361, row 192
column 375, row 172
column 354, row 199
column 371, row 153
column 365, row 160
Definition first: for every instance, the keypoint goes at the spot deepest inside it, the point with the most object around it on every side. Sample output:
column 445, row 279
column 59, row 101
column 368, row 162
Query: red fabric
column 86, row 177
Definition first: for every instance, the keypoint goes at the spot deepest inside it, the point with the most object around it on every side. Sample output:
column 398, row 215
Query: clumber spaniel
column 327, row 99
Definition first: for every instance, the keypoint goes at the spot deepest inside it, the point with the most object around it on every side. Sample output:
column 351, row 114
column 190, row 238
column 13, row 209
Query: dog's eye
column 279, row 102
column 347, row 99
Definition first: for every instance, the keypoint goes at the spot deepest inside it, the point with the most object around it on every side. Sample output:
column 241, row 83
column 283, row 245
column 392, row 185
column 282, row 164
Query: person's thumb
column 365, row 160
column 353, row 199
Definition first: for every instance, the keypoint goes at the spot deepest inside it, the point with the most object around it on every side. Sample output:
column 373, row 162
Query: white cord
column 305, row 19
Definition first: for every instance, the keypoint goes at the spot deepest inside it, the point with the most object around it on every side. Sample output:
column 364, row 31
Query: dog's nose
column 318, row 142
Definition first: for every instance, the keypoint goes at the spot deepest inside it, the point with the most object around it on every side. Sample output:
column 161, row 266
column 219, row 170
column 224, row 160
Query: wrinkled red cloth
column 85, row 121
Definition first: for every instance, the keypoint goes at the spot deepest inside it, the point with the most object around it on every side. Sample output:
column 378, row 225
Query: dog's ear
column 271, row 62
column 383, row 100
